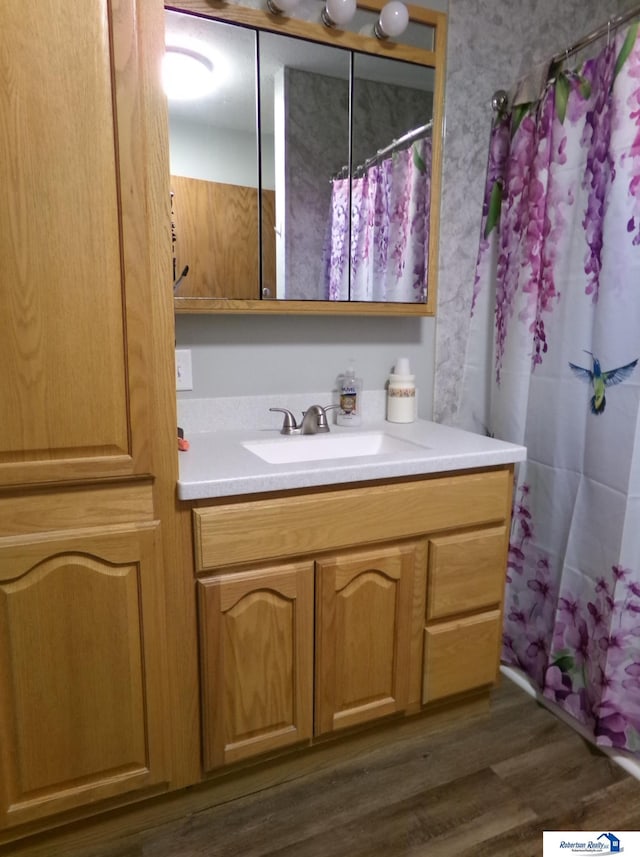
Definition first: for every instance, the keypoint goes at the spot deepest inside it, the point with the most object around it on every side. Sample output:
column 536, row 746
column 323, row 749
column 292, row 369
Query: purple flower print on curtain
column 389, row 231
column 335, row 285
column 558, row 270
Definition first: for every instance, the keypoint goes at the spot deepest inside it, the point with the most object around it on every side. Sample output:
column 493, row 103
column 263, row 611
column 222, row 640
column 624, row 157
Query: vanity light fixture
column 393, row 20
column 337, row 13
column 186, row 74
column 282, row 7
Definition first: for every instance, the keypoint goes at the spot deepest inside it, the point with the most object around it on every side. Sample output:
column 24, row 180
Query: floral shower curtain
column 389, row 231
column 556, row 317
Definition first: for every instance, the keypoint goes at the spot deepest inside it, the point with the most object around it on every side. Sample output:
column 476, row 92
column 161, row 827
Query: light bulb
column 282, row 7
column 186, row 74
column 337, row 13
column 393, row 20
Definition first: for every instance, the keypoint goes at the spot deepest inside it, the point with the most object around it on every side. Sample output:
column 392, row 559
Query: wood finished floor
column 488, row 787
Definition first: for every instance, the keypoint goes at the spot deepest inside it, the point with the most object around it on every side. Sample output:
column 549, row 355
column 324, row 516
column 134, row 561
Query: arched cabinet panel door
column 76, row 254
column 256, row 643
column 364, row 642
column 81, row 687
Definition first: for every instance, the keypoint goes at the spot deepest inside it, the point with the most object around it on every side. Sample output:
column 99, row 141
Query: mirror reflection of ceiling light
column 186, row 74
column 337, row 13
column 393, row 20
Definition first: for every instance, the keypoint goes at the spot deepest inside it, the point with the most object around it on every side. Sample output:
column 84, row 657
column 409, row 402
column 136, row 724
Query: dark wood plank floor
column 487, row 787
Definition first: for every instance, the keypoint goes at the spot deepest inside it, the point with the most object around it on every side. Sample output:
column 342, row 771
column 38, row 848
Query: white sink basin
column 320, row 447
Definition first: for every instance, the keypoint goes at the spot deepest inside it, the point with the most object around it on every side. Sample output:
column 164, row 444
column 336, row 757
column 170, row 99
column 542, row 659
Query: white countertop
column 218, row 465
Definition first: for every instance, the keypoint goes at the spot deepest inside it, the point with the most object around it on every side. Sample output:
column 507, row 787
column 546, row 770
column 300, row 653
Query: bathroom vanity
column 335, row 592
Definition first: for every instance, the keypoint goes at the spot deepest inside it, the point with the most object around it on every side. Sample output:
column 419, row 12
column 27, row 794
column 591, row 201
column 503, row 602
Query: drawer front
column 466, row 572
column 279, row 527
column 461, row 655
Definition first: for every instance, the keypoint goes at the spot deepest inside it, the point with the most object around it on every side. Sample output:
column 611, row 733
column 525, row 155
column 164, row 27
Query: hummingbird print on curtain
column 600, row 380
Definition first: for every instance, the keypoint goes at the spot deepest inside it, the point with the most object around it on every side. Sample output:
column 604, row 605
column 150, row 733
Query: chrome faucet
column 314, row 420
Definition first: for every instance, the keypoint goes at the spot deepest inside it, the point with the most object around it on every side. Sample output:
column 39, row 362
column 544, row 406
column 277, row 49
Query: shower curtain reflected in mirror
column 389, row 245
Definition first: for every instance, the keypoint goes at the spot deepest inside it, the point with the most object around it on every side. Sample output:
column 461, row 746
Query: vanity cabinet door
column 256, row 640
column 82, row 693
column 369, row 614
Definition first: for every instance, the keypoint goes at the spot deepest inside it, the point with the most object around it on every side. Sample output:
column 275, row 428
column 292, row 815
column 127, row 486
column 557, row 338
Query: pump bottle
column 349, row 410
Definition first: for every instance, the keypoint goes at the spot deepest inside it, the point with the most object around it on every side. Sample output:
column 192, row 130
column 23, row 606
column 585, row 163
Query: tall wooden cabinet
column 87, row 410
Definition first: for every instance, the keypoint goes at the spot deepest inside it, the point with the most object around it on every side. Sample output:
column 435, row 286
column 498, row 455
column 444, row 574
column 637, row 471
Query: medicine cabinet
column 308, row 180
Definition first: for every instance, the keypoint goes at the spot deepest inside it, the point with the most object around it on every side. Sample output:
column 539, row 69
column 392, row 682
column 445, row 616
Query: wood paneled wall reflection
column 223, row 262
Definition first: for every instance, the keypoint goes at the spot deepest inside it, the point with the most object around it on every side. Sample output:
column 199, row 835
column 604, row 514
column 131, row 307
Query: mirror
column 304, row 98
column 214, row 168
column 308, row 179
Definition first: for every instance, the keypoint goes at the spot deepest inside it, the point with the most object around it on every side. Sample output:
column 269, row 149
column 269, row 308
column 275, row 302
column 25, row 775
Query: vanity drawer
column 461, row 655
column 466, row 572
column 286, row 526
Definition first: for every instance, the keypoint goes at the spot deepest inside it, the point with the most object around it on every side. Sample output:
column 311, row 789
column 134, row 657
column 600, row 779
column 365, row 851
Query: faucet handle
column 323, row 425
column 289, row 425
column 315, row 419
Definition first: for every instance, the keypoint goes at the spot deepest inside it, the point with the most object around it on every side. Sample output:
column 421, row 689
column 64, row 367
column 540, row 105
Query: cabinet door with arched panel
column 367, row 653
column 256, row 643
column 81, row 669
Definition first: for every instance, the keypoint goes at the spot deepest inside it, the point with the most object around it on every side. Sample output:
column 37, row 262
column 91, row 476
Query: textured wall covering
column 316, row 146
column 491, row 44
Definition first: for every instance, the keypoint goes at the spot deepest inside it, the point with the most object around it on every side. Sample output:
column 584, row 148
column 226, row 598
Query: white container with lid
column 401, row 393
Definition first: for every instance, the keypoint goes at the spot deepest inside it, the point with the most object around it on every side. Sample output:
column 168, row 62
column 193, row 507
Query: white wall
column 218, row 154
column 249, row 355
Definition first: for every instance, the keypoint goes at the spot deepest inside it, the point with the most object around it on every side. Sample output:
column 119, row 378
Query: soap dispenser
column 349, row 410
column 401, row 393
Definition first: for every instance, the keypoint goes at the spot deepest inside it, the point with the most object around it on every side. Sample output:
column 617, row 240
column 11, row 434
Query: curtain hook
column 608, row 32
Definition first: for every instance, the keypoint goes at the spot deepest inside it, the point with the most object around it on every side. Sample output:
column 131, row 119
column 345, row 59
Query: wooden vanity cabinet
column 408, row 580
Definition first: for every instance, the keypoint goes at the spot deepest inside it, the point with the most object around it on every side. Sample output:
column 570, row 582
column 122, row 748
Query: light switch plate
column 184, row 377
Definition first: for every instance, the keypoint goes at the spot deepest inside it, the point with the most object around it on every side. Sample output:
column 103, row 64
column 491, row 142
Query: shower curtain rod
column 409, row 137
column 500, row 98
column 602, row 30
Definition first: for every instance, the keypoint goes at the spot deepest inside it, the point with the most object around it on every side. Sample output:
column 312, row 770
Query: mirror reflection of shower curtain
column 389, row 231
